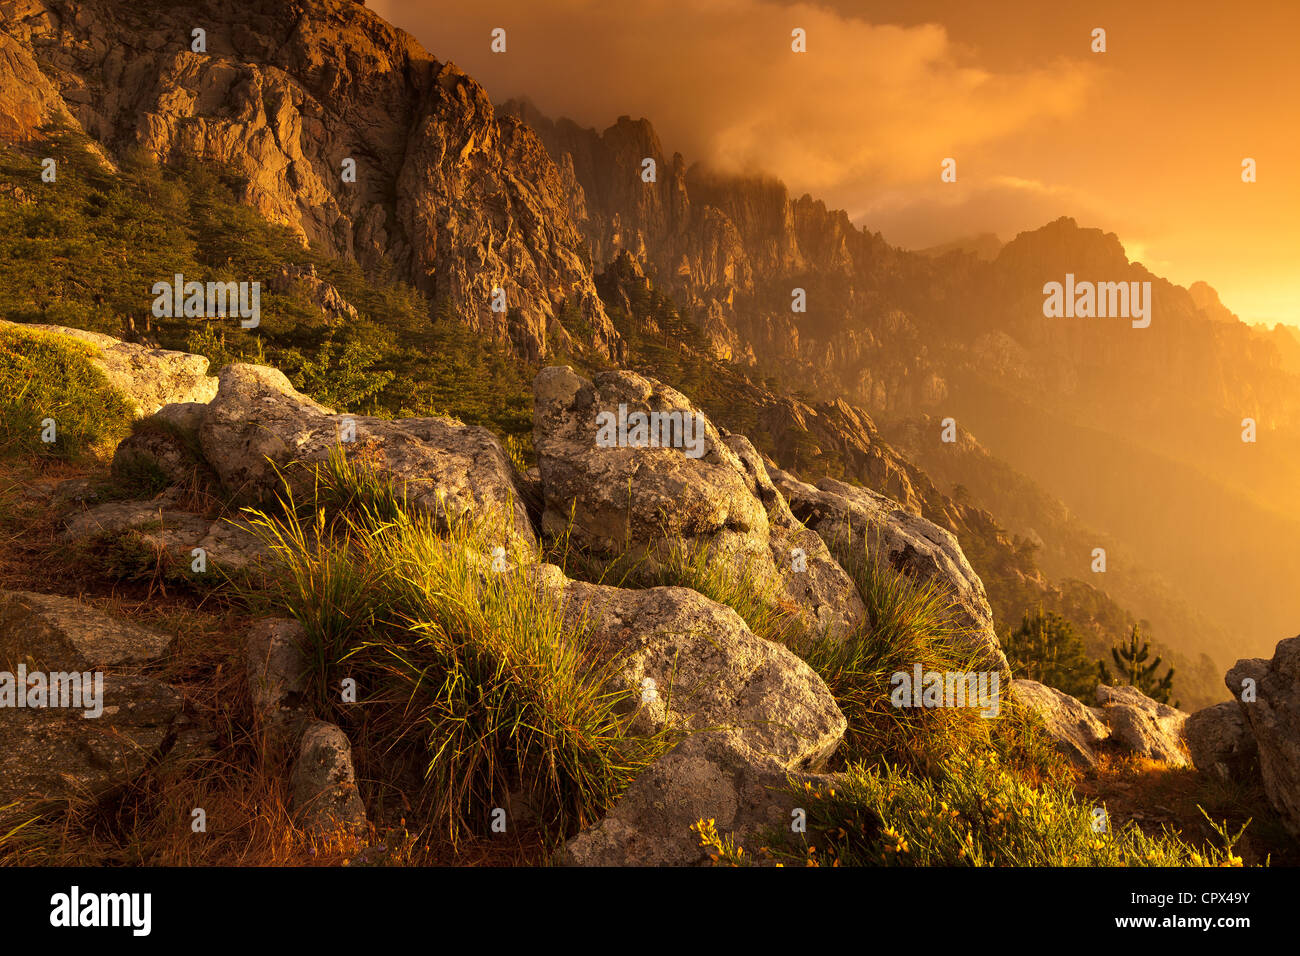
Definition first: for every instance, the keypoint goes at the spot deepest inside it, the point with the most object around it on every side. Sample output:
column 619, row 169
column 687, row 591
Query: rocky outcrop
column 689, row 486
column 1077, row 729
column 860, row 524
column 1268, row 693
column 1220, row 742
column 148, row 378
column 59, row 748
column 258, row 428
column 28, row 99
column 1143, row 726
column 343, row 129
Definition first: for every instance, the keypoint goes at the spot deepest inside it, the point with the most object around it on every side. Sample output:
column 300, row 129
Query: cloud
column 866, row 108
column 916, row 217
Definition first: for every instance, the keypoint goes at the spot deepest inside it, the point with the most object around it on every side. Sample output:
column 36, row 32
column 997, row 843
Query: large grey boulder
column 1220, row 742
column 1268, row 693
column 148, row 377
column 708, row 776
column 692, row 487
column 1076, row 728
column 855, row 521
column 55, row 753
column 692, row 664
column 752, row 713
column 1142, row 725
column 258, row 423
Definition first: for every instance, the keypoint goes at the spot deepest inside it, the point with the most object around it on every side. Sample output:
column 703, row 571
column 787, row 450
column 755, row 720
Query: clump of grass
column 974, row 810
column 908, row 622
column 352, row 485
column 468, row 676
column 47, row 376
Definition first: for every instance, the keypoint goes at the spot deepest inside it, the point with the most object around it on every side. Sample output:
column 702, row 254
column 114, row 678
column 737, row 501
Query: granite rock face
column 344, row 129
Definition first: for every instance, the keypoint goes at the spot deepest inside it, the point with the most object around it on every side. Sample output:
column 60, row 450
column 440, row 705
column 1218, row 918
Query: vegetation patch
column 50, row 389
column 468, row 680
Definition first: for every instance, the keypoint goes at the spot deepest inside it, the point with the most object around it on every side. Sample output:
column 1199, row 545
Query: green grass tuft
column 470, row 680
column 45, row 376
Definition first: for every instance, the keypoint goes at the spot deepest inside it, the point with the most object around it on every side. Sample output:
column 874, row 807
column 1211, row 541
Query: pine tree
column 1131, row 668
column 1045, row 648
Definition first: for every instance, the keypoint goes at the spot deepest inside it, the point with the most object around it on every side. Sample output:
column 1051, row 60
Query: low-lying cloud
column 868, row 107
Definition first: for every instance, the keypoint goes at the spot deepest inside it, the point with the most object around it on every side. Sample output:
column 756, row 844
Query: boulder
column 1268, row 693
column 706, row 777
column 1220, row 742
column 258, row 423
column 692, row 664
column 324, row 785
column 1142, row 725
column 1076, row 728
column 149, row 378
column 689, row 486
column 753, row 714
column 60, row 752
column 277, row 668
column 855, row 520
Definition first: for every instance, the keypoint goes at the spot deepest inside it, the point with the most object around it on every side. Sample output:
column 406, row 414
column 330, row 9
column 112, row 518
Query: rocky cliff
column 289, row 98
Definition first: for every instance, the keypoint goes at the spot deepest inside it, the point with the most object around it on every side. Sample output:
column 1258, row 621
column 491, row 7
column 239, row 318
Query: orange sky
column 1145, row 140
